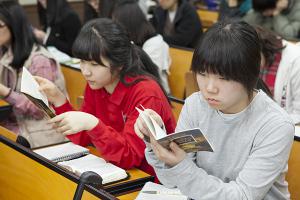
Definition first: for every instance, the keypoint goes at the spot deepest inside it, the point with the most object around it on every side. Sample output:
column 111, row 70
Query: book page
column 155, row 191
column 31, row 87
column 154, row 128
column 62, row 152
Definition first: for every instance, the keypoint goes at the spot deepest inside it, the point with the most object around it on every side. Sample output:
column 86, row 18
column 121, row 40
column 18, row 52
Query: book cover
column 191, row 140
column 30, row 88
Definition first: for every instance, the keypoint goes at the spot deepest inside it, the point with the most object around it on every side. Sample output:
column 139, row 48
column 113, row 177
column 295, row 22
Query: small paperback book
column 155, row 191
column 191, row 140
column 30, row 88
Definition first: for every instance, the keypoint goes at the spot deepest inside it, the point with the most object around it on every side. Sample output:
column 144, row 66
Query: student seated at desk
column 118, row 81
column 281, row 16
column 177, row 21
column 251, row 134
column 60, row 24
column 143, row 34
column 18, row 48
column 280, row 70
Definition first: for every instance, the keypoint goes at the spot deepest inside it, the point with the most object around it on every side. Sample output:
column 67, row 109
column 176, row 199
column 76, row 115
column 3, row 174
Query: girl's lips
column 212, row 101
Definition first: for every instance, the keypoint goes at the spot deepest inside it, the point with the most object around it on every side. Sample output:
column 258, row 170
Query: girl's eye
column 201, row 73
column 94, row 64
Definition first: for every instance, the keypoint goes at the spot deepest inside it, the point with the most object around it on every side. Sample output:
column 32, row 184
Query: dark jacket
column 187, row 25
column 64, row 32
column 89, row 12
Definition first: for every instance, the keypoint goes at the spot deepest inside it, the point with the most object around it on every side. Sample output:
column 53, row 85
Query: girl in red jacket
column 119, row 78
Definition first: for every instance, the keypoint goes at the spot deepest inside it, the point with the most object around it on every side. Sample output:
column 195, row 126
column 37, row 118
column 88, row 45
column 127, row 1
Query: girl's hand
column 54, row 95
column 73, row 122
column 140, row 126
column 170, row 157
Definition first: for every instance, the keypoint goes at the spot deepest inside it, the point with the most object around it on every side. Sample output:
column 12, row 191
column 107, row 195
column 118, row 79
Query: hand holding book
column 191, row 140
column 49, row 89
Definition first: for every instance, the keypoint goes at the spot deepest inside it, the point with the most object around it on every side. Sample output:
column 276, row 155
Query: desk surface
column 135, row 174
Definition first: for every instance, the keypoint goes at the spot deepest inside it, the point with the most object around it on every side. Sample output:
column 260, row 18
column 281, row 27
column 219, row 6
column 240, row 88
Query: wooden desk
column 293, row 175
column 181, row 63
column 207, row 17
column 22, row 175
column 27, row 177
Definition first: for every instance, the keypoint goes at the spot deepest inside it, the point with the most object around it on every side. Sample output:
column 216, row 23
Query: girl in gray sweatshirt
column 251, row 135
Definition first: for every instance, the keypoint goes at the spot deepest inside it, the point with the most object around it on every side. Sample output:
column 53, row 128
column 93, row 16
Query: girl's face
column 98, row 76
column 225, row 95
column 5, row 34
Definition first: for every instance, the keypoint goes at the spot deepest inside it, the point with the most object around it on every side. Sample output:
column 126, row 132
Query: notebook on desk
column 62, row 152
column 77, row 159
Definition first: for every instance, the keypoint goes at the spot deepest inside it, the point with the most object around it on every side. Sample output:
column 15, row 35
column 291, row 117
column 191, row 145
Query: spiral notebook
column 62, row 152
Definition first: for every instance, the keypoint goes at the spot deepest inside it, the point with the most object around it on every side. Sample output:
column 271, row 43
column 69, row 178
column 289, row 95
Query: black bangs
column 89, row 45
column 230, row 49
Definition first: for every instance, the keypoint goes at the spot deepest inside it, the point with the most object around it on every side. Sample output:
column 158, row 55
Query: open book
column 30, row 88
column 191, row 140
column 155, row 191
column 77, row 159
column 108, row 172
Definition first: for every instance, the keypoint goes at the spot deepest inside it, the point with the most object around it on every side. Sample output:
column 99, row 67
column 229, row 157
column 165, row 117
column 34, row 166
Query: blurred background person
column 18, row 48
column 280, row 70
column 60, row 23
column 143, row 34
column 178, row 22
column 281, row 16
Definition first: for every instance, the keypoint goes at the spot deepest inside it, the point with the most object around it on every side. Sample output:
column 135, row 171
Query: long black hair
column 132, row 18
column 53, row 13
column 105, row 38
column 232, row 50
column 22, row 37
